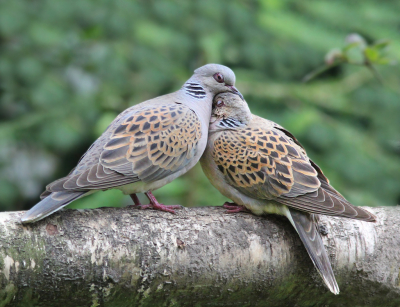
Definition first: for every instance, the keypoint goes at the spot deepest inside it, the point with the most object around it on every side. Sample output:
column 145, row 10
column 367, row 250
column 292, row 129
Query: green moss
column 1, row 261
column 28, row 300
column 7, row 294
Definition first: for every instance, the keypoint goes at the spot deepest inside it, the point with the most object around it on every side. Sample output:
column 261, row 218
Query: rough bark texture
column 198, row 257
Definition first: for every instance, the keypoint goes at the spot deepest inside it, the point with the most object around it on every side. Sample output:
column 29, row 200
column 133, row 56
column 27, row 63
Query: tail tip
column 372, row 217
column 333, row 286
column 25, row 219
column 335, row 291
column 28, row 218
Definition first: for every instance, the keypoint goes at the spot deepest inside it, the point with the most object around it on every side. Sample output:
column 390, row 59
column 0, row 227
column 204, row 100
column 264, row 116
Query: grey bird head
column 215, row 78
column 229, row 111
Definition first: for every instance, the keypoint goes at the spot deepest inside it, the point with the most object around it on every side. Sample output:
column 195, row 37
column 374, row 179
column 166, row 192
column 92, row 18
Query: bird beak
column 234, row 90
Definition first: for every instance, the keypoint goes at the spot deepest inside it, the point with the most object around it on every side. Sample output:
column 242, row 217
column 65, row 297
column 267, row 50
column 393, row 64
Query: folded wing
column 143, row 145
column 271, row 164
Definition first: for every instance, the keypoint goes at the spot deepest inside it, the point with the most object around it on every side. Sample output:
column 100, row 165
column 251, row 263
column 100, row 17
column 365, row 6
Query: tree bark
column 198, row 257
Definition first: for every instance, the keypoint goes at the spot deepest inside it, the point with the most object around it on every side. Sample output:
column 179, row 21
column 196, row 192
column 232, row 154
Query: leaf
column 384, row 61
column 371, row 54
column 350, row 46
column 381, row 44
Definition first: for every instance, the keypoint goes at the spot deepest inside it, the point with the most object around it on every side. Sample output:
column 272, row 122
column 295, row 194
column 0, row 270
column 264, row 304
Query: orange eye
column 220, row 103
column 219, row 77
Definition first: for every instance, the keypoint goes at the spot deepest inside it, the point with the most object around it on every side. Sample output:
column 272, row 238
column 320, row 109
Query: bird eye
column 220, row 104
column 219, row 77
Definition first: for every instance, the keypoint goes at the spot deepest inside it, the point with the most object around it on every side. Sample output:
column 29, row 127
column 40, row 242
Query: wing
column 268, row 164
column 146, row 145
column 264, row 163
column 154, row 143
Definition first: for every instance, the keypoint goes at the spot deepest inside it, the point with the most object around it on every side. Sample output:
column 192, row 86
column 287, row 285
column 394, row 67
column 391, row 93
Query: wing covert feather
column 265, row 163
column 153, row 143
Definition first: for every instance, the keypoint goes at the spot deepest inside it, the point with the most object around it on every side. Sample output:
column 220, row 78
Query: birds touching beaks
column 145, row 147
column 263, row 168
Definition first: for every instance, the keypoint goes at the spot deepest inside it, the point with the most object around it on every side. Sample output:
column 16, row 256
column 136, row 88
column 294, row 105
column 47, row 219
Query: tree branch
column 200, row 256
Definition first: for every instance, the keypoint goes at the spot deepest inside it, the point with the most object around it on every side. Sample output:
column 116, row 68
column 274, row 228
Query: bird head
column 216, row 79
column 229, row 111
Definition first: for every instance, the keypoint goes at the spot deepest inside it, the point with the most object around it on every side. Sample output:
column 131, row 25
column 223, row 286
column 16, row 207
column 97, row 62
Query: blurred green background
column 67, row 68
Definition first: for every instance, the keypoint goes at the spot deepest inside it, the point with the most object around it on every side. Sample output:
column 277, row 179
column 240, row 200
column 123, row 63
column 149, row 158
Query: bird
column 146, row 146
column 264, row 169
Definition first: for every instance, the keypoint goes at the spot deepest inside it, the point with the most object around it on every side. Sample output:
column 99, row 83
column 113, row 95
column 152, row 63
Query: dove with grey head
column 145, row 147
column 264, row 169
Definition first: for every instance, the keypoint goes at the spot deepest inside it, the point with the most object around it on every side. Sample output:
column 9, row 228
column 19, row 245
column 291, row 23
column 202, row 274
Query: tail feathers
column 306, row 227
column 50, row 204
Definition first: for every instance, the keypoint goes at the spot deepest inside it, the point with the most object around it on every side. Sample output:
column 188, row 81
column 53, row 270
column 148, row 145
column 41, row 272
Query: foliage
column 68, row 68
column 356, row 52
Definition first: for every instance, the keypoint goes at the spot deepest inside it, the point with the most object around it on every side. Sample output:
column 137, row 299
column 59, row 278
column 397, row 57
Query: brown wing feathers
column 253, row 156
column 157, row 138
column 269, row 164
column 146, row 146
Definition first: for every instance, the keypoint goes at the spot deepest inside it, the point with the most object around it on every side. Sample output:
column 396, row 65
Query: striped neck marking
column 195, row 90
column 230, row 123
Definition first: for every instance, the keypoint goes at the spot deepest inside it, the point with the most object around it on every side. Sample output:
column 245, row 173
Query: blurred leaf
column 45, row 34
column 350, row 46
column 355, row 52
column 381, row 44
column 371, row 54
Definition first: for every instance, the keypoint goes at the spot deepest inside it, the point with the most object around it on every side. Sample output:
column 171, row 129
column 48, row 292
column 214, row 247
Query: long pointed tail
column 306, row 227
column 52, row 203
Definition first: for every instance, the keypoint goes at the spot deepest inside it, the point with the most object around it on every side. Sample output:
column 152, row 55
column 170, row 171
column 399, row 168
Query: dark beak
column 235, row 91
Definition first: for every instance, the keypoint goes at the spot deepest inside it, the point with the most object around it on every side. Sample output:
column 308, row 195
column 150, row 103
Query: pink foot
column 234, row 208
column 154, row 204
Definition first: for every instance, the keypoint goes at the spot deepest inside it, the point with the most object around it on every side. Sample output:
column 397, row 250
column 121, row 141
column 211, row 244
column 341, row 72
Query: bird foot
column 234, row 208
column 154, row 204
column 161, row 207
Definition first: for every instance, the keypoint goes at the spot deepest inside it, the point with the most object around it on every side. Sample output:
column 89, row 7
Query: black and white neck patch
column 230, row 123
column 195, row 90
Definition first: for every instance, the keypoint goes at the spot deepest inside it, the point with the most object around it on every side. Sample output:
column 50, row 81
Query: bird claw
column 154, row 204
column 160, row 207
column 234, row 208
